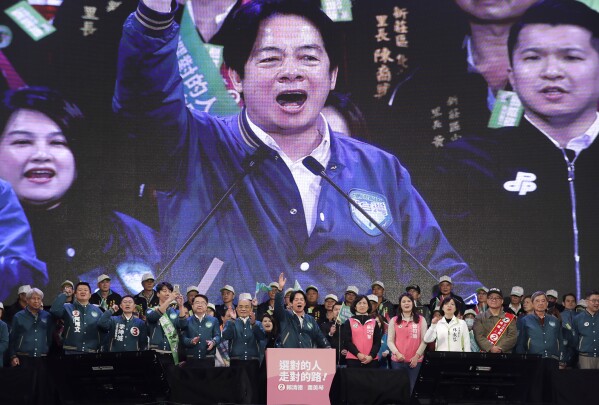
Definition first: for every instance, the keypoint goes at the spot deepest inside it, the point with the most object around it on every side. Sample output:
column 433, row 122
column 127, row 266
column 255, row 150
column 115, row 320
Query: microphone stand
column 248, row 165
column 316, row 168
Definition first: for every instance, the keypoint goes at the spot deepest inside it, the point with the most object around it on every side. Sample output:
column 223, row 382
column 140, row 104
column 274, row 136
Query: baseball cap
column 379, row 283
column 469, row 312
column 552, row 293
column 495, row 291
column 352, row 288
column 211, row 305
column 1, row 305
column 445, row 278
column 289, row 290
column 67, row 282
column 582, row 303
column 311, row 287
column 331, row 297
column 479, row 289
column 517, row 291
column 192, row 288
column 228, row 288
column 245, row 296
column 24, row 289
column 413, row 287
column 274, row 284
column 147, row 276
column 372, row 297
column 103, row 277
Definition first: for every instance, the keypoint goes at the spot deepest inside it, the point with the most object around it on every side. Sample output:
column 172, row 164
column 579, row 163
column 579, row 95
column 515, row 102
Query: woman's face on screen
column 36, row 159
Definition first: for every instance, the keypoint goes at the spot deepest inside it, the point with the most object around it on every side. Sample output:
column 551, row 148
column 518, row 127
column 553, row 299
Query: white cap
column 228, row 288
column 445, row 278
column 352, row 288
column 245, row 296
column 211, row 305
column 274, row 284
column 552, row 293
column 372, row 297
column 24, row 289
column 147, row 276
column 331, row 297
column 379, row 283
column 289, row 290
column 517, row 291
column 103, row 277
column 582, row 303
column 469, row 312
column 312, row 287
column 1, row 305
column 192, row 288
column 479, row 289
column 67, row 282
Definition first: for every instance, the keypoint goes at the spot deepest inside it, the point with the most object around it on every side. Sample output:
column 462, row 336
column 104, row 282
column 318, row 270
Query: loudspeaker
column 115, row 378
column 476, row 378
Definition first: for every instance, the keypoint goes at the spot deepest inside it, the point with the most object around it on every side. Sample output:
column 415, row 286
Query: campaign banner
column 299, row 376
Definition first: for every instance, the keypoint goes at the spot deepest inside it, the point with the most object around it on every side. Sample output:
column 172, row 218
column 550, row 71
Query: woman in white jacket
column 449, row 333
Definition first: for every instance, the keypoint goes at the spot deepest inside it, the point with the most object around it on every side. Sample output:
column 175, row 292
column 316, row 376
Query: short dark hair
column 568, row 295
column 293, row 294
column 200, row 296
column 458, row 309
column 556, row 12
column 241, row 30
column 163, row 284
column 359, row 298
column 47, row 101
column 592, row 292
column 128, row 296
column 85, row 284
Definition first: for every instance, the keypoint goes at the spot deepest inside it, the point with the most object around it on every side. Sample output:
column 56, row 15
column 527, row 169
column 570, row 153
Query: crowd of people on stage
column 485, row 175
column 366, row 330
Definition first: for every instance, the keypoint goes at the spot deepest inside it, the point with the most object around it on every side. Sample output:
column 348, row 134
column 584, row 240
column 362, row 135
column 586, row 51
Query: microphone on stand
column 316, row 168
column 248, row 165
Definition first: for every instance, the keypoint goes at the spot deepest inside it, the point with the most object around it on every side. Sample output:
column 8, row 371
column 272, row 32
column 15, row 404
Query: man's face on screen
column 287, row 76
column 555, row 72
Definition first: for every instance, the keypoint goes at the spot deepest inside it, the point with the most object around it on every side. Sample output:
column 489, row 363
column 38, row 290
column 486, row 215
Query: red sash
column 500, row 328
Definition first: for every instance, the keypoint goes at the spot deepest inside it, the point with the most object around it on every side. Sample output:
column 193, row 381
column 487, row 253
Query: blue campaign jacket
column 586, row 334
column 31, row 335
column 261, row 229
column 124, row 335
column 245, row 339
column 18, row 262
column 294, row 335
column 81, row 331
column 545, row 340
column 157, row 338
column 207, row 329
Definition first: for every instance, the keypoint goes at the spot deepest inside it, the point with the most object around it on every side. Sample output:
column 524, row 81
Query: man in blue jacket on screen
column 283, row 57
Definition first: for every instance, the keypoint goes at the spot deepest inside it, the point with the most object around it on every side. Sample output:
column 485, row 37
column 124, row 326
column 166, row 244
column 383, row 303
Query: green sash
column 171, row 335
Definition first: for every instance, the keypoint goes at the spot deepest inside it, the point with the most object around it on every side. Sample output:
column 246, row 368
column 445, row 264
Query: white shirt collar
column 322, row 152
column 579, row 143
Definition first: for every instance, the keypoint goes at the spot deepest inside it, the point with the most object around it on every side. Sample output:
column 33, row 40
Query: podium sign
column 299, row 376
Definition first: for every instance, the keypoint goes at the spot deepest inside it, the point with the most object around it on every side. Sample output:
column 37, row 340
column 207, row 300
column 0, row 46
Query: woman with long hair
column 406, row 338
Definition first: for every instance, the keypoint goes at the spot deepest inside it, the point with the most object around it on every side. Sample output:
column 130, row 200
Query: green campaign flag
column 203, row 85
column 262, row 287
